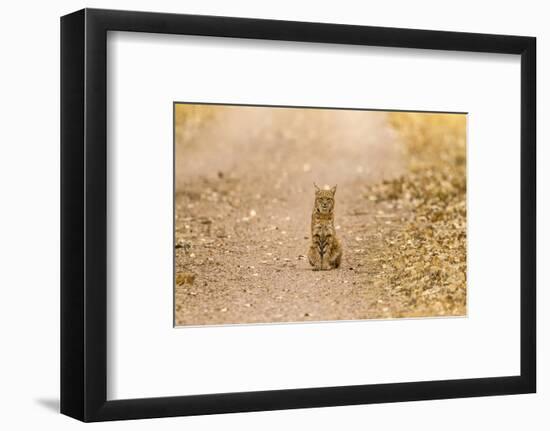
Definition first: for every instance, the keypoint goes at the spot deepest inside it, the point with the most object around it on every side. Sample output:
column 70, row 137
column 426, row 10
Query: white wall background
column 29, row 221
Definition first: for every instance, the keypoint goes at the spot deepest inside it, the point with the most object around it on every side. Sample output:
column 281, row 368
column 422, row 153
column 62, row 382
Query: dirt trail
column 244, row 194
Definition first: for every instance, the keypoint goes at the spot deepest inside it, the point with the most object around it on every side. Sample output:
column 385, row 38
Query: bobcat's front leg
column 325, row 258
column 314, row 257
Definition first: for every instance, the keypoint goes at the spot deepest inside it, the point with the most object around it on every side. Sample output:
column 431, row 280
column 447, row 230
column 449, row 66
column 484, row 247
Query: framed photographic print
column 261, row 215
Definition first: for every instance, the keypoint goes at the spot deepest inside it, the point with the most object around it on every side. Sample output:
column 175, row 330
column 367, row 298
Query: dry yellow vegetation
column 424, row 261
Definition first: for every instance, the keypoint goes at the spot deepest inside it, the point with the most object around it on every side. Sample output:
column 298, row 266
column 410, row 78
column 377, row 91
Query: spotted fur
column 325, row 251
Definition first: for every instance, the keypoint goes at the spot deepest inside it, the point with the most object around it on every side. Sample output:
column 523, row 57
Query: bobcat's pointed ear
column 333, row 189
column 317, row 189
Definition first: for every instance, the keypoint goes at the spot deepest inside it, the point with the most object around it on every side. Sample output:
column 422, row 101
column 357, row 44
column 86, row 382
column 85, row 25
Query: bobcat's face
column 324, row 200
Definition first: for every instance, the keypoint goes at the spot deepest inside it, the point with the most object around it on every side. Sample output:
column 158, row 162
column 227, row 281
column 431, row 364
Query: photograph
column 298, row 214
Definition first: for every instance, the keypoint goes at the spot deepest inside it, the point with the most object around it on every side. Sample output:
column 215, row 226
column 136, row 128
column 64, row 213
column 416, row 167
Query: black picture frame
column 84, row 214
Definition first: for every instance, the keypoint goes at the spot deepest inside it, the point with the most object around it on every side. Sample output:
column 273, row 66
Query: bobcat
column 325, row 251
